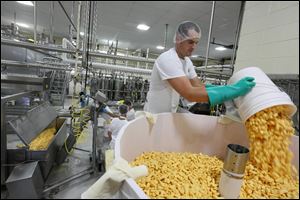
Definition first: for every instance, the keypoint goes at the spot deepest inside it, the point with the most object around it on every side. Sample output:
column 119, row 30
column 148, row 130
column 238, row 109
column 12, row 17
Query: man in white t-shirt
column 173, row 75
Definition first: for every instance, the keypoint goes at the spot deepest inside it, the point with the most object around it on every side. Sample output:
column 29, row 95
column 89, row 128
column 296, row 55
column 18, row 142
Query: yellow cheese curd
column 268, row 174
column 42, row 141
column 180, row 175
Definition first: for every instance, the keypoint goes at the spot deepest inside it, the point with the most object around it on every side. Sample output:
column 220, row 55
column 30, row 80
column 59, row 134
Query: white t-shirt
column 130, row 115
column 115, row 127
column 161, row 96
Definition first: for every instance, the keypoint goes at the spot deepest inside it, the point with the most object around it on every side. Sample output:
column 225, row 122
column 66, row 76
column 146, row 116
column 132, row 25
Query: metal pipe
column 58, row 49
column 237, row 35
column 51, row 21
column 102, row 55
column 67, row 15
column 39, row 65
column 97, row 65
column 213, row 72
column 34, row 46
column 209, row 33
column 34, row 22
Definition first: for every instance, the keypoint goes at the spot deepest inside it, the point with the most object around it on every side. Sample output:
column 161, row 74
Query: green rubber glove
column 220, row 94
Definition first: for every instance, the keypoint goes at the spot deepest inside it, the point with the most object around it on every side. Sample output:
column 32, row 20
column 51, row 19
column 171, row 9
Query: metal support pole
column 116, row 49
column 3, row 144
column 72, row 19
column 95, row 127
column 209, row 33
column 51, row 21
column 67, row 15
column 237, row 34
column 35, row 21
column 166, row 35
column 78, row 35
column 147, row 56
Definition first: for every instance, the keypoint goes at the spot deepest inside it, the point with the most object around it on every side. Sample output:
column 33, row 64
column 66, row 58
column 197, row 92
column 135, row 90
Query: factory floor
column 77, row 162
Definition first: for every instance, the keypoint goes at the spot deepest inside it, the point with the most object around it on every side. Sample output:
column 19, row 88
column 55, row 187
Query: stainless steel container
column 28, row 127
column 233, row 171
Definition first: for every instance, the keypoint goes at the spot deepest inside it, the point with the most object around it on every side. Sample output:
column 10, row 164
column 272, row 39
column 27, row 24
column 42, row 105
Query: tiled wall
column 269, row 37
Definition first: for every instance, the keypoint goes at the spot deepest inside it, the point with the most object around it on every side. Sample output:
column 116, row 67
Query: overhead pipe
column 37, row 65
column 34, row 46
column 98, row 65
column 237, row 36
column 58, row 49
column 102, row 55
column 209, row 33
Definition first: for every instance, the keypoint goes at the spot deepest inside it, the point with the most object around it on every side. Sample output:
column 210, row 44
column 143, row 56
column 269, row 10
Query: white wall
column 269, row 37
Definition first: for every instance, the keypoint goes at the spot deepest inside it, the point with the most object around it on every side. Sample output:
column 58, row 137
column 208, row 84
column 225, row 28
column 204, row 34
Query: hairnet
column 123, row 109
column 187, row 30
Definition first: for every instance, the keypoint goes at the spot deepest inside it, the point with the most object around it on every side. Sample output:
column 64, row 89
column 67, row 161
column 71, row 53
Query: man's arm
column 185, row 88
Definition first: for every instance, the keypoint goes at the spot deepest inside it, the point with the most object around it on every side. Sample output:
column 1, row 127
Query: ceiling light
column 194, row 56
column 81, row 33
column 22, row 25
column 160, row 47
column 143, row 27
column 220, row 48
column 27, row 3
column 16, row 40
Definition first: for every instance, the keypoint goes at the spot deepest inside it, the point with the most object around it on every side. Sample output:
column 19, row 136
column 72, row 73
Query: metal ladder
column 58, row 85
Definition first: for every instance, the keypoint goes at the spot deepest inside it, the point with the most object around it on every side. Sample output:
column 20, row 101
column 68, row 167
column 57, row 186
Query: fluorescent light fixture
column 81, row 33
column 16, row 40
column 160, row 47
column 143, row 27
column 27, row 3
column 194, row 56
column 220, row 48
column 31, row 40
column 22, row 25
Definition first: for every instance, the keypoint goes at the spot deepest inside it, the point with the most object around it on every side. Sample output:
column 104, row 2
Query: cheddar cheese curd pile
column 268, row 174
column 179, row 175
column 42, row 141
